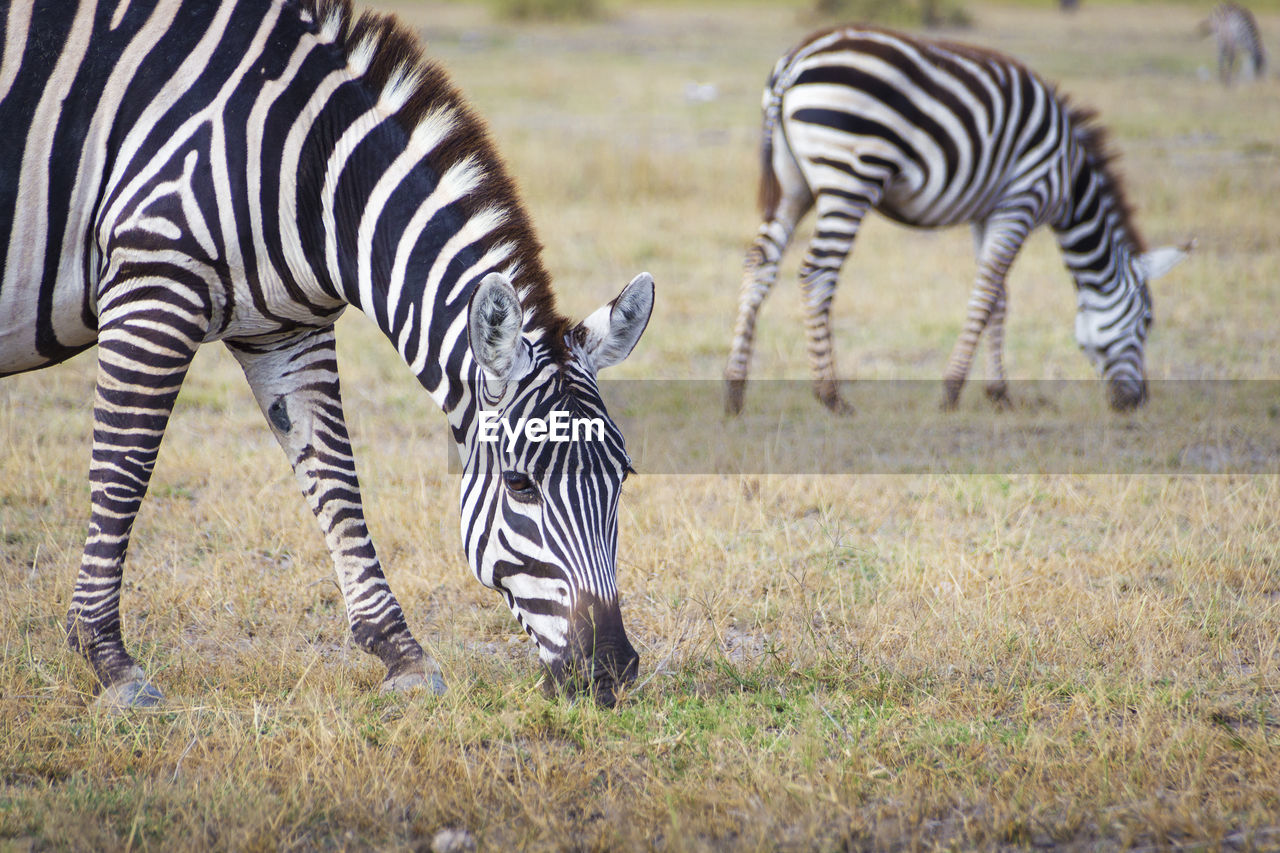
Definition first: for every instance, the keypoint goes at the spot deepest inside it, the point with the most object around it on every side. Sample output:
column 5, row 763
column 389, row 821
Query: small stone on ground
column 451, row 840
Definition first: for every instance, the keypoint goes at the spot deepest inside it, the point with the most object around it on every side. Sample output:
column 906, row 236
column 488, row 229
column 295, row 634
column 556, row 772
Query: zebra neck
column 1098, row 244
column 392, row 197
column 408, row 219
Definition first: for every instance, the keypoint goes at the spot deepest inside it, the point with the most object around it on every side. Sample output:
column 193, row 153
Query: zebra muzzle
column 1126, row 394
column 602, row 676
column 600, row 660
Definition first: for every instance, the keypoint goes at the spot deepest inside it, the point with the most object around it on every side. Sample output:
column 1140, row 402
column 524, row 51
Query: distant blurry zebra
column 1236, row 32
column 931, row 134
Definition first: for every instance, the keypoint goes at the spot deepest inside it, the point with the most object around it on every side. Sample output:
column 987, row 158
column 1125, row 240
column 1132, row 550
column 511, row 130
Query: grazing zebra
column 932, row 134
column 1236, row 32
column 181, row 171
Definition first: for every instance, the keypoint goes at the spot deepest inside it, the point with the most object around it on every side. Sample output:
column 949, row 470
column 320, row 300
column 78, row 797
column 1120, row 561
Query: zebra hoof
column 837, row 405
column 999, row 396
column 734, row 392
column 828, row 393
column 950, row 395
column 415, row 680
column 134, row 692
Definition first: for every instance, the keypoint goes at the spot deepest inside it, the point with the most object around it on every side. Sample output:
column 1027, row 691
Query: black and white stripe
column 1235, row 30
column 175, row 172
column 934, row 134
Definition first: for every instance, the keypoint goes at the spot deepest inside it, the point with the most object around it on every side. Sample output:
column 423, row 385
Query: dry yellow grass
column 852, row 662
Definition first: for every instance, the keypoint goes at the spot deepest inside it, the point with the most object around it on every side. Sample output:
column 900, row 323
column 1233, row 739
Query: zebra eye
column 520, row 486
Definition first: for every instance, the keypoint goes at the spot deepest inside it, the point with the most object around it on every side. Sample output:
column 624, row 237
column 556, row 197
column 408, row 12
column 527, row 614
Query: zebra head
column 1112, row 325
column 543, row 470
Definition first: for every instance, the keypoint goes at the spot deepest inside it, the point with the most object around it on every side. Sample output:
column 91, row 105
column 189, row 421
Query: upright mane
column 387, row 57
column 1094, row 139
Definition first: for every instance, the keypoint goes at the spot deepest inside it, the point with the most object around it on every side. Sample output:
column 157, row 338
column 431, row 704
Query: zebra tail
column 770, row 189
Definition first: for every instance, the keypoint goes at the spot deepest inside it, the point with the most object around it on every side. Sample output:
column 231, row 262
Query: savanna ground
column 879, row 662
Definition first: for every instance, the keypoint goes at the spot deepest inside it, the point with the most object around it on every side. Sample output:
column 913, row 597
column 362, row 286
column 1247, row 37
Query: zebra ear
column 1157, row 262
column 494, row 318
column 612, row 331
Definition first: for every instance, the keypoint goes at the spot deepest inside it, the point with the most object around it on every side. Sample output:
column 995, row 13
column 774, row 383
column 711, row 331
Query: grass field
column 852, row 662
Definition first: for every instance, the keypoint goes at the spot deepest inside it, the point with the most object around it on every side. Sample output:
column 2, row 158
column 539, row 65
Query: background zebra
column 1236, row 32
column 933, row 133
column 186, row 171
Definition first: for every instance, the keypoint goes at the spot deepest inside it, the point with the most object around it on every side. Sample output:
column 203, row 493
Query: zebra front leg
column 143, row 355
column 760, row 271
column 295, row 382
column 997, row 390
column 1001, row 238
column 997, row 386
column 819, row 286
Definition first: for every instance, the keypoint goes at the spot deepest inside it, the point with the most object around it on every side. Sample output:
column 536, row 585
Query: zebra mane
column 387, row 57
column 1095, row 141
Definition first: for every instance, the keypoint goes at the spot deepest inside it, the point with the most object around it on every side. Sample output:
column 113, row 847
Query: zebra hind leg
column 839, row 217
column 760, row 272
column 785, row 199
column 143, row 356
column 296, row 385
